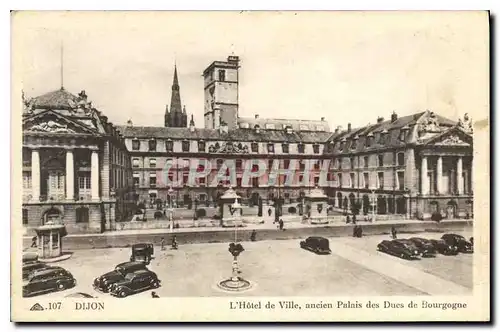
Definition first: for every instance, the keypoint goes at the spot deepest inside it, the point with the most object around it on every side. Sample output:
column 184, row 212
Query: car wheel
column 61, row 286
column 122, row 293
column 156, row 284
column 402, row 256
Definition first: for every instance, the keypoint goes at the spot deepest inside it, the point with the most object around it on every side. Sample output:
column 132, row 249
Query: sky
column 349, row 67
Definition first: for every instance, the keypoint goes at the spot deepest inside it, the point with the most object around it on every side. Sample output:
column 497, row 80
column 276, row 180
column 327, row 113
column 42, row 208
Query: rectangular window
column 302, row 165
column 185, row 146
column 339, row 176
column 284, row 147
column 365, row 161
column 136, row 144
column 219, row 163
column 169, row 146
column 201, row 182
column 152, row 162
column 351, row 162
column 222, row 75
column 255, row 182
column 270, row 148
column 26, row 180
column 316, row 148
column 25, row 216
column 351, row 180
column 152, row 180
column 270, row 164
column 381, row 180
column 185, row 179
column 369, row 140
column 201, row 146
column 84, row 180
column 286, row 164
column 135, row 162
column 152, row 145
column 238, row 182
column 238, row 163
column 82, row 215
column 255, row 147
column 366, row 180
column 316, row 180
column 380, row 160
column 301, row 148
column 401, row 158
column 401, row 180
column 136, row 179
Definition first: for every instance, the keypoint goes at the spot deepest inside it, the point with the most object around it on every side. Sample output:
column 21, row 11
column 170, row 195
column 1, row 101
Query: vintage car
column 399, row 248
column 425, row 246
column 104, row 282
column 458, row 241
column 30, row 257
column 444, row 248
column 48, row 280
column 142, row 252
column 28, row 268
column 135, row 282
column 316, row 244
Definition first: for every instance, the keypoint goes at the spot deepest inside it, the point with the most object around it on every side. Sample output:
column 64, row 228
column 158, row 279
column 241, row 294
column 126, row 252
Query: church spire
column 176, row 116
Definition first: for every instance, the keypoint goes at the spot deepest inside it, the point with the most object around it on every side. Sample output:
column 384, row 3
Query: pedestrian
column 281, row 224
column 33, row 242
column 174, row 242
column 348, row 219
column 394, row 233
column 269, row 212
column 360, row 231
column 154, row 295
column 162, row 242
column 253, row 236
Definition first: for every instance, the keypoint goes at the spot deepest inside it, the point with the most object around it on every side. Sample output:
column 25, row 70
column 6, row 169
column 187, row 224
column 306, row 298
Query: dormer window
column 354, row 143
column 136, row 145
column 270, row 147
column 152, row 144
column 201, row 146
column 316, row 148
column 185, row 146
column 257, row 128
column 285, row 147
column 270, row 126
column 255, row 147
column 369, row 140
column 301, row 147
column 383, row 137
column 169, row 145
column 342, row 144
column 288, row 129
column 403, row 133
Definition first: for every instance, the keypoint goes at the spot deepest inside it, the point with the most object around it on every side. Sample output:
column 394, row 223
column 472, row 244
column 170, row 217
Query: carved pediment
column 429, row 124
column 453, row 140
column 50, row 122
column 228, row 147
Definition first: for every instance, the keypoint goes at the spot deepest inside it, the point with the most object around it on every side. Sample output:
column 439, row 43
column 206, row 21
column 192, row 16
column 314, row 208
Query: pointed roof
column 59, row 99
column 175, row 101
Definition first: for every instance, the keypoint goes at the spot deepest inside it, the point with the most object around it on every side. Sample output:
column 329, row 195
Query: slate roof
column 281, row 123
column 245, row 135
column 59, row 99
column 391, row 129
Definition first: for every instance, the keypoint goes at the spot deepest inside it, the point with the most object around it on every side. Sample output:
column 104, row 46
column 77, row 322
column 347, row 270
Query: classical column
column 35, row 175
column 460, row 178
column 94, row 175
column 439, row 175
column 424, row 188
column 70, row 175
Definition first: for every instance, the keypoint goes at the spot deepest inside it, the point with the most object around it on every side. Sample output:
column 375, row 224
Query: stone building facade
column 76, row 167
column 417, row 165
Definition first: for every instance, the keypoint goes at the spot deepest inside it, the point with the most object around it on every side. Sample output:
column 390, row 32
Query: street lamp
column 236, row 206
column 373, row 204
column 170, row 209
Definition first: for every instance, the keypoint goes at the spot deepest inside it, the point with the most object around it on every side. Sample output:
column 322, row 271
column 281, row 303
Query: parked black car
column 316, row 244
column 142, row 252
column 135, row 282
column 425, row 246
column 31, row 267
column 104, row 282
column 458, row 241
column 399, row 248
column 444, row 248
column 48, row 280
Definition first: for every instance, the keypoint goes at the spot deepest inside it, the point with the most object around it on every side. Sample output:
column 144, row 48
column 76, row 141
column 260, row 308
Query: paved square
column 282, row 268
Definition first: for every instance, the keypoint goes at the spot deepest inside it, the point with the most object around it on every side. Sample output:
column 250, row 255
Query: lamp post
column 373, row 204
column 236, row 206
column 171, row 212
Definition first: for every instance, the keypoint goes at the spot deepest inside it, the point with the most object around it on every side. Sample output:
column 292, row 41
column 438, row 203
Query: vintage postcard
column 250, row 166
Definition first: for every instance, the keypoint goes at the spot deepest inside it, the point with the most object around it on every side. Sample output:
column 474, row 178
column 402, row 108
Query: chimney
column 256, row 116
column 338, row 129
column 394, row 117
column 322, row 119
column 380, row 119
column 129, row 123
column 349, row 127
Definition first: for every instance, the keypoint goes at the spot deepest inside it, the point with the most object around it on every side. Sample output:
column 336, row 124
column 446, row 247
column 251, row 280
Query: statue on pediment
column 51, row 127
column 452, row 140
column 430, row 124
column 466, row 123
column 27, row 103
column 228, row 147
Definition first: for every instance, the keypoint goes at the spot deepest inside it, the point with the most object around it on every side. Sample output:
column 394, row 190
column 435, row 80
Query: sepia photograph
column 303, row 166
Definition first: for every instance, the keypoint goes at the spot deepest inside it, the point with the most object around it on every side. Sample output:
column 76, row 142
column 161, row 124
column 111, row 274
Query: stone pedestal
column 316, row 206
column 230, row 216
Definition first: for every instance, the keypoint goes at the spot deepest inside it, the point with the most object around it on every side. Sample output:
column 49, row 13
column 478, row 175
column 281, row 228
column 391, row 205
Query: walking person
column 394, row 233
column 281, row 224
column 162, row 242
column 269, row 212
column 33, row 242
column 174, row 243
column 253, row 236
